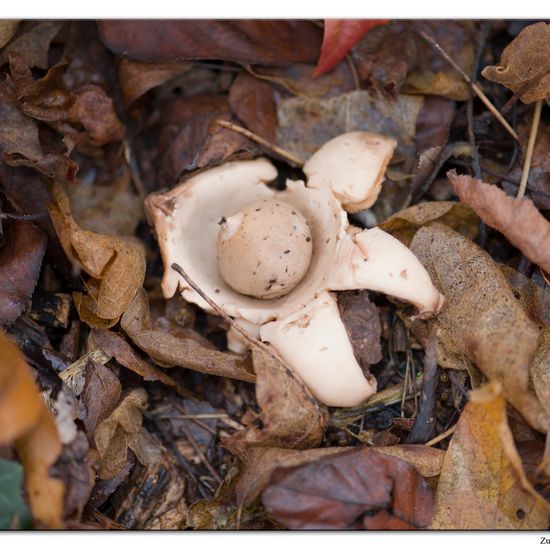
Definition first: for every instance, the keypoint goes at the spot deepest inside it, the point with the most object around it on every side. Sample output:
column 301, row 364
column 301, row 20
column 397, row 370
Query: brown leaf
column 138, row 77
column 33, row 44
column 119, row 431
column 434, row 122
column 517, row 219
column 100, row 395
column 525, row 64
column 336, row 492
column 427, row 461
column 482, row 483
column 116, row 264
column 253, row 102
column 404, row 224
column 432, row 74
column 540, row 369
column 114, row 345
column 26, row 422
column 385, row 56
column 170, row 351
column 290, row 416
column 8, row 28
column 307, row 123
column 482, row 320
column 20, row 261
column 269, row 42
column 19, row 142
column 362, row 321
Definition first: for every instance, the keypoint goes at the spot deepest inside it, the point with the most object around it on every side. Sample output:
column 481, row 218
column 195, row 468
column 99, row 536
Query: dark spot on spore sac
column 294, row 213
column 272, row 281
column 308, row 239
column 286, row 252
column 257, row 210
column 222, row 221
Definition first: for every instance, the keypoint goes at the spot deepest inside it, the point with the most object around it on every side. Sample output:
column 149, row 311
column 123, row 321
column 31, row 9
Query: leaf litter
column 135, row 414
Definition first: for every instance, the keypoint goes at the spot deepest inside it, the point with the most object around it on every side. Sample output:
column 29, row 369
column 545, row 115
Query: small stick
column 477, row 90
column 441, row 436
column 253, row 341
column 255, row 137
column 530, row 147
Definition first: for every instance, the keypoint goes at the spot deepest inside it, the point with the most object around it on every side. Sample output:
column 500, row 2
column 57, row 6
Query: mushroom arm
column 352, row 166
column 314, row 343
column 374, row 260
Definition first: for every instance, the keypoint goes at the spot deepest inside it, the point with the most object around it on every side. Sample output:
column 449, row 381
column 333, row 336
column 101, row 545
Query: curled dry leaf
column 20, row 261
column 358, row 489
column 403, row 225
column 19, row 142
column 290, row 415
column 121, row 431
column 268, row 42
column 26, row 422
column 33, row 44
column 168, row 350
column 525, row 64
column 517, row 219
column 482, row 484
column 339, row 37
column 115, row 346
column 138, row 77
column 116, row 264
column 482, row 320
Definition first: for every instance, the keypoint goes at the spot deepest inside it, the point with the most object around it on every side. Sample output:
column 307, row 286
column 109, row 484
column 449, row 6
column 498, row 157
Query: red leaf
column 339, row 38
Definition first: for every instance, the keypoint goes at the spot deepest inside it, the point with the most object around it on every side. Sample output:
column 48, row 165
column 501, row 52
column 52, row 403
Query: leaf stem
column 530, row 148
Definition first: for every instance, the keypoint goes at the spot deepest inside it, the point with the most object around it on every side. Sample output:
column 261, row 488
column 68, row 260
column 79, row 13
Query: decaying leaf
column 268, row 42
column 115, row 346
column 251, row 99
column 26, row 422
column 20, row 261
column 116, row 264
column 540, row 369
column 362, row 321
column 339, row 37
column 8, row 27
column 403, row 225
column 482, row 484
column 358, row 489
column 517, row 219
column 482, row 320
column 138, row 77
column 19, row 142
column 525, row 64
column 290, row 415
column 121, row 431
column 305, row 124
column 169, row 351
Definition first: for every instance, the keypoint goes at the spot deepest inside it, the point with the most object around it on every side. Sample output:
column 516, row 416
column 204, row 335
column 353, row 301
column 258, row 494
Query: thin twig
column 441, row 436
column 203, row 459
column 530, row 148
column 255, row 137
column 477, row 90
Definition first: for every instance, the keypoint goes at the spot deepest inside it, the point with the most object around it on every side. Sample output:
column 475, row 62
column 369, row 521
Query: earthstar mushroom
column 272, row 268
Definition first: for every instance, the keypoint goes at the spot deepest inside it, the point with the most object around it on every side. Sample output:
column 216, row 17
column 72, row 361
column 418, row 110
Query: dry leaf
column 269, row 42
column 115, row 346
column 404, row 224
column 252, row 100
column 8, row 27
column 20, row 261
column 358, row 489
column 482, row 320
column 517, row 219
column 26, row 422
column 117, row 264
column 138, row 77
column 427, row 461
column 307, row 123
column 525, row 64
column 169, row 351
column 482, row 484
column 540, row 369
column 120, row 431
column 290, row 415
